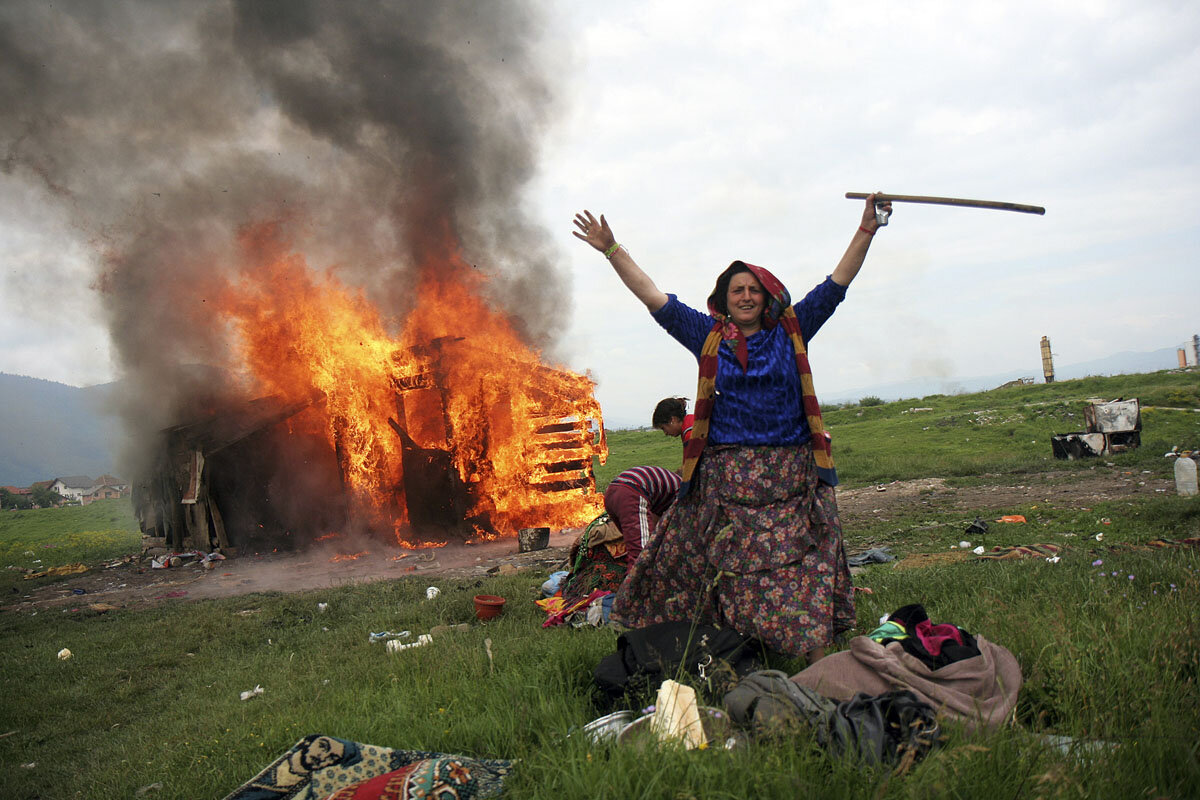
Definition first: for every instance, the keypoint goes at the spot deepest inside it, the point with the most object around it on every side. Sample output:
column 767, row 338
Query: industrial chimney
column 1047, row 360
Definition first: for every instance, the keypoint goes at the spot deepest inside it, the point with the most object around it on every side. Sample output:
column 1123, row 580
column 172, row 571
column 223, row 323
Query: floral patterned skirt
column 756, row 546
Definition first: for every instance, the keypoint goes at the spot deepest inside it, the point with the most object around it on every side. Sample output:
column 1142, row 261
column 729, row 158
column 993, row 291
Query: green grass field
column 42, row 538
column 1109, row 651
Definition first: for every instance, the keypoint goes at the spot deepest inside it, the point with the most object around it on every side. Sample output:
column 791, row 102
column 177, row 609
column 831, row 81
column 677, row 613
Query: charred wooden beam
column 560, row 486
column 568, row 466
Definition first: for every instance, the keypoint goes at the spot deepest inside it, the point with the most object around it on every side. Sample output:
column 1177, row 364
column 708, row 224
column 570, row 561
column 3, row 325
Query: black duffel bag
column 710, row 659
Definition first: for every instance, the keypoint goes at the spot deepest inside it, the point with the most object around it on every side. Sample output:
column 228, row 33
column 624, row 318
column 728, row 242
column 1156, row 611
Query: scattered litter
column 1012, row 518
column 554, row 582
column 876, row 555
column 1022, row 551
column 255, row 692
column 1105, row 521
column 964, row 545
column 322, row 607
column 153, row 787
column 79, row 591
column 1054, row 559
column 978, row 550
column 245, row 612
column 64, row 654
column 1079, row 748
column 395, row 646
column 400, row 557
column 432, row 592
column 1099, row 537
column 487, row 647
column 30, row 765
column 978, row 526
column 100, row 608
column 383, row 636
column 864, row 589
column 65, row 569
column 171, row 560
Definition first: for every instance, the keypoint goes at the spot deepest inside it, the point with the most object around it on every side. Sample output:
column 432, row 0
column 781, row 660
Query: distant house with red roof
column 83, row 490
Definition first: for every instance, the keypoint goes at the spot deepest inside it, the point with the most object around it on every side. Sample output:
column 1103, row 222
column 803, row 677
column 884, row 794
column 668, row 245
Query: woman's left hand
column 594, row 232
column 870, row 222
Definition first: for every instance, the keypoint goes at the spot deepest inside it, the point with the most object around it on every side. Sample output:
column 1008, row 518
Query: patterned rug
column 327, row 768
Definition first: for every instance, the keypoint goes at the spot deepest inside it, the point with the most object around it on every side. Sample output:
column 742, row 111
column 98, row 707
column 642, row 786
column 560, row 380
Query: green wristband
column 609, row 252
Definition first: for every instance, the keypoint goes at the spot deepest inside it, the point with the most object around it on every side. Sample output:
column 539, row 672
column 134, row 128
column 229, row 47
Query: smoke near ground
column 378, row 134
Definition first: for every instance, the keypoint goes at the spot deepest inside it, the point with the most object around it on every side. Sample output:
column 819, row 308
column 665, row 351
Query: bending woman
column 754, row 542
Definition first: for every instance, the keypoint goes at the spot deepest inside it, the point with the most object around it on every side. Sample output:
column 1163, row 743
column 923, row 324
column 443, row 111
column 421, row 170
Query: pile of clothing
column 963, row 677
column 881, row 701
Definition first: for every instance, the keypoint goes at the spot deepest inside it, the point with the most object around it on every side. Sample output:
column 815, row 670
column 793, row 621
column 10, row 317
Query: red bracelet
column 867, row 232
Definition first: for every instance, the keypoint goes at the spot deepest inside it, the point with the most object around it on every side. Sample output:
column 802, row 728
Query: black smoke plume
column 375, row 133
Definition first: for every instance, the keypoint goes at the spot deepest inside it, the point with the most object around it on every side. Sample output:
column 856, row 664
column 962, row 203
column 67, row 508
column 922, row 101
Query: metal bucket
column 530, row 539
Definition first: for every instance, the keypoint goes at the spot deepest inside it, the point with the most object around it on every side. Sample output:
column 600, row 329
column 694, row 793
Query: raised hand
column 596, row 233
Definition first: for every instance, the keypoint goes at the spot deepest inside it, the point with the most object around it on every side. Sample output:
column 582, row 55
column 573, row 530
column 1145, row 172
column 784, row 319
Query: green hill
column 1005, row 430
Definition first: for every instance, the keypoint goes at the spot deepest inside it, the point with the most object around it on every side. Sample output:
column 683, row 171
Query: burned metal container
column 1112, row 427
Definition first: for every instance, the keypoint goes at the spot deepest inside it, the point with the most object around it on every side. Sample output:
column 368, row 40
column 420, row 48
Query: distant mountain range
column 1124, row 363
column 50, row 430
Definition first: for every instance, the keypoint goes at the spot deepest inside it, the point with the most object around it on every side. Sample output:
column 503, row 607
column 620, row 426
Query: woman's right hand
column 596, row 233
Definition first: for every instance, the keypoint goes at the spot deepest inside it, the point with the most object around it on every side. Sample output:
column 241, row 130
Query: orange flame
column 518, row 436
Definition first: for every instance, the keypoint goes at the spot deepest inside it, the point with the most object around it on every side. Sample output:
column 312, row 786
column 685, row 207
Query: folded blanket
column 324, row 767
column 980, row 691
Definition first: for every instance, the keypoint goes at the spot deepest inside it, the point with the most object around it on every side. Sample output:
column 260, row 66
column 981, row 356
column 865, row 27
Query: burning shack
column 511, row 447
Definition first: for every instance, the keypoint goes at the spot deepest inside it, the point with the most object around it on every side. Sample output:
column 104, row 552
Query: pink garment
column 934, row 636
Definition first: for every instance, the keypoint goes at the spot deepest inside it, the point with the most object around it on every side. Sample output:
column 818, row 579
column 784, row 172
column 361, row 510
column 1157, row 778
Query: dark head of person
column 668, row 409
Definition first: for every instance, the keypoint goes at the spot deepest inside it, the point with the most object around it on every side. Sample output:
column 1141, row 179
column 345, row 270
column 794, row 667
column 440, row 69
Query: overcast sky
column 708, row 132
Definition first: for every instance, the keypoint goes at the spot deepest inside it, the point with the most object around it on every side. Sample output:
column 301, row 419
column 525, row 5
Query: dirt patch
column 135, row 584
column 1054, row 490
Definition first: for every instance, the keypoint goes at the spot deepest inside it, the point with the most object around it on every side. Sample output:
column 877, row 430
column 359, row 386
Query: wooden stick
column 947, row 201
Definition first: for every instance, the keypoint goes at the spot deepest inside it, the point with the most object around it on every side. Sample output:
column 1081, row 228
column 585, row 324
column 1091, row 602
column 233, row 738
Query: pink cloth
column 934, row 636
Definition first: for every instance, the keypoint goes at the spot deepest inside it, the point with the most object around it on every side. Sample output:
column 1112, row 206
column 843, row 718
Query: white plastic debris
column 64, row 654
column 1053, row 559
column 432, row 592
column 322, row 607
column 255, row 692
column 1099, row 537
column 964, row 545
column 978, row 550
column 395, row 646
